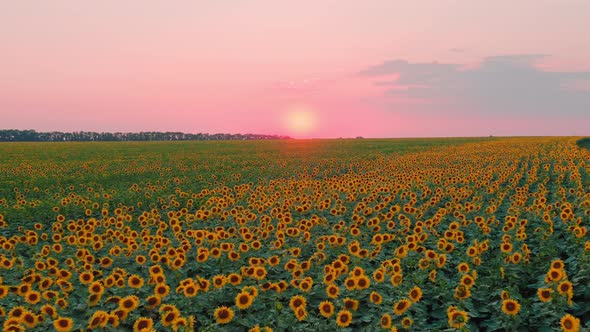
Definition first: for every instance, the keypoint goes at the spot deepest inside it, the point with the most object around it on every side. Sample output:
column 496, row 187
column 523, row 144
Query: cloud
column 505, row 84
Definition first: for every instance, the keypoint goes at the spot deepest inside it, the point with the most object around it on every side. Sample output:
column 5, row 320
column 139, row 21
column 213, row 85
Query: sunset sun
column 300, row 120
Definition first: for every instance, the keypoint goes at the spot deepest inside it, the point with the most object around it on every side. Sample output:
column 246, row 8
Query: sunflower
column 375, row 298
column 180, row 324
column 282, row 286
column 407, row 322
column 423, row 263
column 13, row 325
column 297, row 301
column 33, row 297
column 415, row 294
column 544, row 294
column 61, row 302
column 305, row 285
column 29, row 319
column 554, row 275
column 357, row 271
column 223, row 315
column 333, row 291
column 129, row 303
column 462, row 292
column 570, row 323
column 168, row 307
column 63, row 324
column 385, row 321
column 233, row 256
column 252, row 290
column 351, row 304
column 401, row 306
column 45, row 283
column 362, row 282
column 215, row 253
column 190, row 291
column 106, row 262
column 557, row 264
column 244, row 300
column 457, row 318
column 143, row 324
column 140, row 259
column 23, row 289
column 169, row 317
column 93, row 299
column 329, row 278
column 259, row 273
column 219, row 281
column 504, row 295
column 17, row 312
column 467, row 280
column 162, row 290
column 274, row 260
column 152, row 301
column 155, row 270
column 565, row 287
column 65, row 285
column 49, row 310
column 86, row 278
column 516, row 257
column 442, row 259
column 350, row 283
column 98, row 319
column 344, row 318
column 135, row 281
column 301, row 313
column 397, row 279
column 326, row 308
column 378, row 275
column 234, row 279
column 96, row 288
column 64, row 274
column 432, row 275
column 510, row 307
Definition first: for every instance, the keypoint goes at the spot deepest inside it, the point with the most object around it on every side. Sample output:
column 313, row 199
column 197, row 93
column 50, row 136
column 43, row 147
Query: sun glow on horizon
column 300, row 120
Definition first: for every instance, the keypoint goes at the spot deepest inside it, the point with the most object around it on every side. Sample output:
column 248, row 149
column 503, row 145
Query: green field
column 296, row 235
column 106, row 166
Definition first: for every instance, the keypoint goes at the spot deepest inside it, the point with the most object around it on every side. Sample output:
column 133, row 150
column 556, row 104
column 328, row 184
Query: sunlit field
column 296, row 235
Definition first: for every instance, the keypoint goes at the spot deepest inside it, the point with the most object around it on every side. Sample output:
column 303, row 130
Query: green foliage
column 532, row 193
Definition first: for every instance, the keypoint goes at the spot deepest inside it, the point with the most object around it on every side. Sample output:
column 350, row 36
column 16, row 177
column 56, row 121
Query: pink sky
column 241, row 66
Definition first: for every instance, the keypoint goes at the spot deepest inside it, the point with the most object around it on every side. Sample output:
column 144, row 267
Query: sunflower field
column 484, row 234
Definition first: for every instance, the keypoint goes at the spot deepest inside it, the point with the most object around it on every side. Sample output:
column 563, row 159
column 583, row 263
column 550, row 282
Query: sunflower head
column 510, row 307
column 385, row 321
column 223, row 315
column 545, row 294
column 344, row 318
column 326, row 308
column 570, row 323
column 63, row 324
column 244, row 300
column 401, row 306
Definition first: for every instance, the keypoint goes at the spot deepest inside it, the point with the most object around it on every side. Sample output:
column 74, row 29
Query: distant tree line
column 13, row 135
